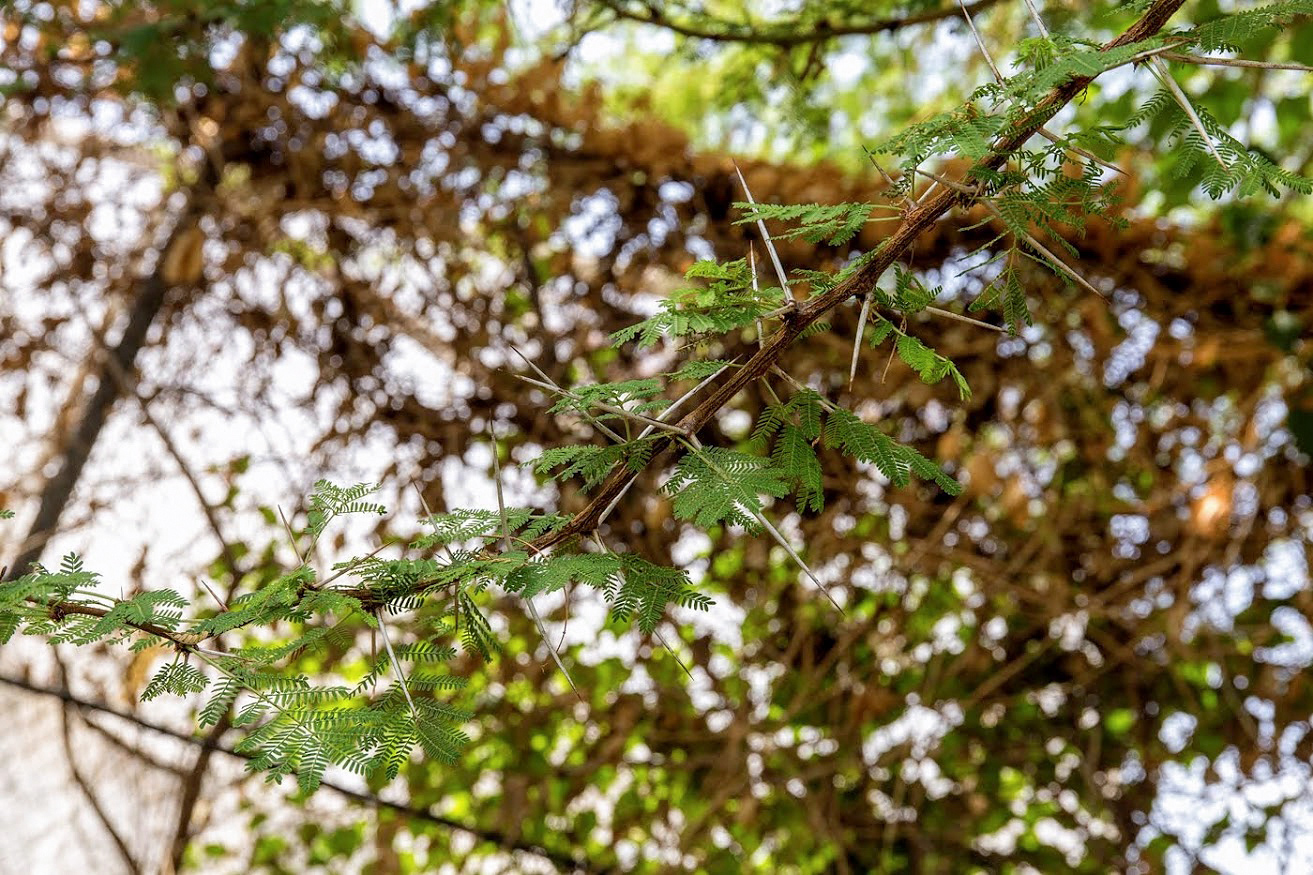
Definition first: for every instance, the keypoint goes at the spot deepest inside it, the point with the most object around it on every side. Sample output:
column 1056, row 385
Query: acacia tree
column 1024, row 192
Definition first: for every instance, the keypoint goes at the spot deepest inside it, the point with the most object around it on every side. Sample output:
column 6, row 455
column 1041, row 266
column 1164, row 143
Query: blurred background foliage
column 248, row 244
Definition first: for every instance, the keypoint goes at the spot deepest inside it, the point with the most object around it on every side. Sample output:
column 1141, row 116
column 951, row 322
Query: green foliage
column 1232, row 32
column 1006, row 291
column 728, row 301
column 584, row 399
column 1060, row 62
column 1240, row 170
column 697, row 370
column 796, row 458
column 460, row 526
column 296, row 726
column 834, row 224
column 328, row 502
column 174, row 44
column 634, row 588
column 177, row 678
column 712, row 485
column 646, row 589
column 929, row 365
column 910, row 294
column 846, row 432
column 593, row 463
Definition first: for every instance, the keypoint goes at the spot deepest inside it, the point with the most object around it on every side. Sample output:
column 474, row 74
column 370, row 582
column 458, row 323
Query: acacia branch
column 797, row 319
column 807, row 313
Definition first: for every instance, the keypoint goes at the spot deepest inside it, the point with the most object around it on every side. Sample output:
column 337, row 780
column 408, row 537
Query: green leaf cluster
column 730, row 299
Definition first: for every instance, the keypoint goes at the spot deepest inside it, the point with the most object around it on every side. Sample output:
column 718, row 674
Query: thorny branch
column 793, row 323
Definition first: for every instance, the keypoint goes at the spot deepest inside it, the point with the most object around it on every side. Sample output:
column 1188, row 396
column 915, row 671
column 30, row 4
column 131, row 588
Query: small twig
column 793, row 554
column 565, row 625
column 673, row 654
column 537, row 370
column 925, row 195
column 1049, row 256
column 496, row 479
column 949, row 314
column 202, row 582
column 752, row 268
column 793, row 381
column 888, row 363
column 780, row 311
column 960, row 188
column 980, row 42
column 888, row 180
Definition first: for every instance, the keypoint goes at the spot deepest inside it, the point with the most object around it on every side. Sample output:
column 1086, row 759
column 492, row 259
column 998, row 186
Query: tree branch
column 781, row 34
column 83, row 785
column 800, row 316
column 565, row 861
column 917, row 221
column 149, row 301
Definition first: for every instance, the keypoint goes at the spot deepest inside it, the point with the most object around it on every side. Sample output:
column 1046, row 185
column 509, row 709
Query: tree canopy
column 628, row 436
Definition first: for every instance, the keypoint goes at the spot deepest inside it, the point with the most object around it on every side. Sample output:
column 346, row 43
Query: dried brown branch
column 780, row 34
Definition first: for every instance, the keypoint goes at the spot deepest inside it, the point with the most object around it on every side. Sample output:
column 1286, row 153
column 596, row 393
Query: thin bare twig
column 290, row 537
column 998, row 77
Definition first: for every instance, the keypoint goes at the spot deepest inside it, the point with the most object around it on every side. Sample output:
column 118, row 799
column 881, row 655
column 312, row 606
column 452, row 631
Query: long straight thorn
column 793, row 554
column 770, row 246
column 857, row 340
